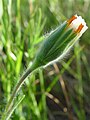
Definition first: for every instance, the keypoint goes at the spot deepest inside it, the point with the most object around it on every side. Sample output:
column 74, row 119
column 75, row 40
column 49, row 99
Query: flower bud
column 59, row 42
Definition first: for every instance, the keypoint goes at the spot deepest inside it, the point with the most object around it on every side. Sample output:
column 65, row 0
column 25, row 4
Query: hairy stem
column 16, row 89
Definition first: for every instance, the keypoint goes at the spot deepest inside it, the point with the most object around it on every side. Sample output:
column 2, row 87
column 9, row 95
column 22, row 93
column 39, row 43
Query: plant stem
column 16, row 89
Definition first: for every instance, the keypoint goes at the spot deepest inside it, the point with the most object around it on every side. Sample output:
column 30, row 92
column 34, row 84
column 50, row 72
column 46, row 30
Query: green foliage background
column 23, row 26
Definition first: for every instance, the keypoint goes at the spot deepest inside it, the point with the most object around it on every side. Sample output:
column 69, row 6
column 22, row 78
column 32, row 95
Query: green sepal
column 60, row 41
column 57, row 52
column 49, row 42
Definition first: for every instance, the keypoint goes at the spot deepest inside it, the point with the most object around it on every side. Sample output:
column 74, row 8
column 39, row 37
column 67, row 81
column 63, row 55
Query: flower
column 60, row 41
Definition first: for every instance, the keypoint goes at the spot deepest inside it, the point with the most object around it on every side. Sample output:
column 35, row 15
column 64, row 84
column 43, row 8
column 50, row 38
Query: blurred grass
column 23, row 25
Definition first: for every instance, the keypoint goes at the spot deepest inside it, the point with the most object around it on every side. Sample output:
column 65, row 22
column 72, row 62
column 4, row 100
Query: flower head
column 60, row 41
